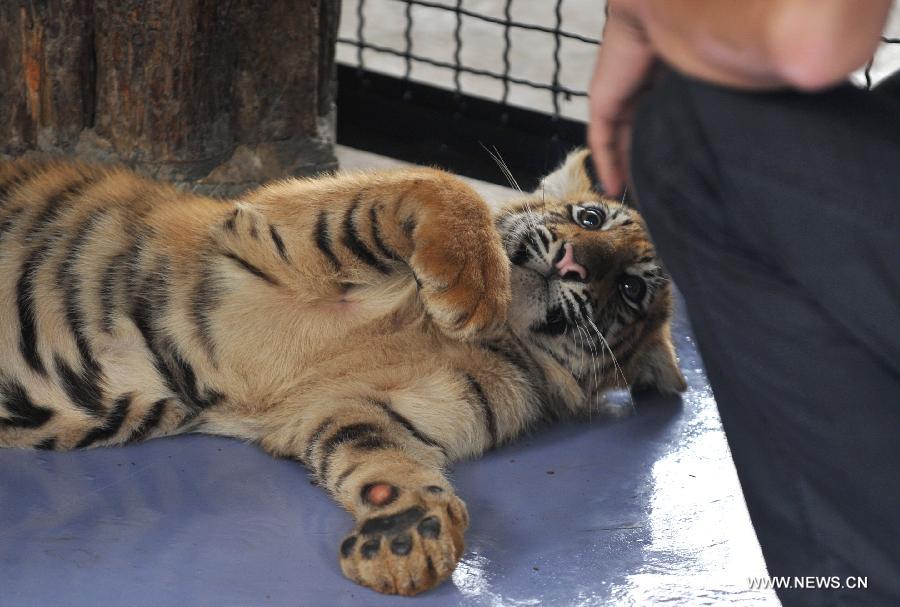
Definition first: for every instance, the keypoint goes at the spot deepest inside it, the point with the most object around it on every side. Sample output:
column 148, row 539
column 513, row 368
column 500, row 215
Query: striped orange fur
column 374, row 326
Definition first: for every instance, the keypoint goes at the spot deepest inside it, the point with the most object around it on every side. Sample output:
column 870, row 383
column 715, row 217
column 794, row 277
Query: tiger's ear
column 657, row 368
column 576, row 178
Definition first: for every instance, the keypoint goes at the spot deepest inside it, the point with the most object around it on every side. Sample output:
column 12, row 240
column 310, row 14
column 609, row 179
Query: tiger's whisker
column 615, row 361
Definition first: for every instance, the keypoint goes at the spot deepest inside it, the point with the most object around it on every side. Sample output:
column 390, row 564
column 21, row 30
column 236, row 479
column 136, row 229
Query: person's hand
column 622, row 74
column 760, row 45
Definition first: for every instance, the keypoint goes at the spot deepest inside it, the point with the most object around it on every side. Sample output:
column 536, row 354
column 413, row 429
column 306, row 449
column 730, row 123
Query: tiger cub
column 374, row 326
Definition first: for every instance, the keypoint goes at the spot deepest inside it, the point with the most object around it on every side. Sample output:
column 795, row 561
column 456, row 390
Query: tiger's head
column 590, row 296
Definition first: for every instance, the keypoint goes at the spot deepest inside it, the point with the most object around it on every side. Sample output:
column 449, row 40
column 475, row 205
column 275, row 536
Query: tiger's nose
column 567, row 265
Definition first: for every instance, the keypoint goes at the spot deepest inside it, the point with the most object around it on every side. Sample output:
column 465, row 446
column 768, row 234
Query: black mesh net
column 557, row 31
column 461, row 76
column 556, row 34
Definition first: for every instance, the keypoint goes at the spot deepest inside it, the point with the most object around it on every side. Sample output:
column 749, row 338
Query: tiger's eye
column 590, row 219
column 633, row 288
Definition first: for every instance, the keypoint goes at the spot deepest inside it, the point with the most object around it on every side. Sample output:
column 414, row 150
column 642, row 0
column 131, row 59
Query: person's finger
column 602, row 137
column 623, row 66
column 623, row 155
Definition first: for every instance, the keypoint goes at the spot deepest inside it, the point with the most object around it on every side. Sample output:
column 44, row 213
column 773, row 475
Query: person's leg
column 777, row 215
column 889, row 86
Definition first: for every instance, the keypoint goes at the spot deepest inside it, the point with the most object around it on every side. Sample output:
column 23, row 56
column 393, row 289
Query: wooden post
column 217, row 93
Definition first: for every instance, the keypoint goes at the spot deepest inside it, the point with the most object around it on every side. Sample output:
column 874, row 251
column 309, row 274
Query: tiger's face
column 588, row 288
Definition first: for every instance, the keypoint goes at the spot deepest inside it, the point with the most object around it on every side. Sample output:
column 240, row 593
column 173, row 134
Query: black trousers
column 778, row 215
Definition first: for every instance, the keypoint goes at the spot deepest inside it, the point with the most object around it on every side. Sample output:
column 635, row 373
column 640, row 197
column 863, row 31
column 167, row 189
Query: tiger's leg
column 362, row 231
column 409, row 527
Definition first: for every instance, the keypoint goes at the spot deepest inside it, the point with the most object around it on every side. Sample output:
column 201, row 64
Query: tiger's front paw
column 464, row 282
column 410, row 544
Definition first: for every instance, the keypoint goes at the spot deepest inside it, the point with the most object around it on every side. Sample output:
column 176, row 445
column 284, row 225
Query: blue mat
column 637, row 511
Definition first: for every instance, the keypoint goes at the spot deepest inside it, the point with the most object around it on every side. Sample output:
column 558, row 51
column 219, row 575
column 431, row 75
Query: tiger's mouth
column 550, row 286
column 545, row 304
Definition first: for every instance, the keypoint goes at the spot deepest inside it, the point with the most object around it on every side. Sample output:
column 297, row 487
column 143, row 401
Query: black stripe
column 28, row 335
column 24, row 173
column 152, row 297
column 25, row 414
column 570, row 307
column 28, row 342
column 348, row 433
column 522, row 255
column 83, row 389
column 514, row 358
column 150, row 421
column 406, row 423
column 371, row 443
column 146, row 296
column 229, row 223
column 206, row 297
column 367, row 442
column 246, row 265
column 55, row 205
column 69, row 281
column 111, row 426
column 582, row 305
column 588, row 344
column 376, row 236
column 48, row 444
column 323, row 239
column 553, row 355
column 279, row 244
column 183, row 380
column 343, row 476
column 519, row 355
column 108, row 290
column 591, row 172
column 623, row 358
column 314, row 438
column 490, row 421
column 357, row 246
column 189, row 390
column 10, row 221
column 344, row 434
column 8, row 186
column 409, row 227
column 129, row 275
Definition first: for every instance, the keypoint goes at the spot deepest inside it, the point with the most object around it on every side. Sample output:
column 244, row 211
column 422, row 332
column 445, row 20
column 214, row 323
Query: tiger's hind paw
column 412, row 548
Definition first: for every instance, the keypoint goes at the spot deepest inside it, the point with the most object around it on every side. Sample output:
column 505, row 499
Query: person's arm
column 749, row 44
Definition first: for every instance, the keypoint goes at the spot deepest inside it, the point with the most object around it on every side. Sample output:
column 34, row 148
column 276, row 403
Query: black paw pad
column 347, row 546
column 394, row 522
column 430, row 527
column 401, row 545
column 434, row 489
column 370, row 548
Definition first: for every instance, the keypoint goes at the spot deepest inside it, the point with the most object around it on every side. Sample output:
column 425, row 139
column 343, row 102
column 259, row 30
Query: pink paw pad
column 379, row 494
